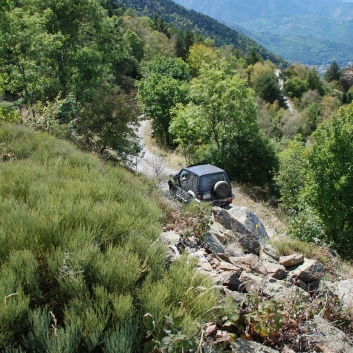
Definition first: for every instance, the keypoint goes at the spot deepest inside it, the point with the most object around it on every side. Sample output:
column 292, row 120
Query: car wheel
column 222, row 189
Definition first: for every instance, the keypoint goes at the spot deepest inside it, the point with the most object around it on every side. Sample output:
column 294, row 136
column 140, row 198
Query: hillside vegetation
column 183, row 18
column 81, row 269
column 80, row 264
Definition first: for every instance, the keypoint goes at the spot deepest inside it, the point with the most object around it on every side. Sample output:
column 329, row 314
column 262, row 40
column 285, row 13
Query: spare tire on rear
column 222, row 189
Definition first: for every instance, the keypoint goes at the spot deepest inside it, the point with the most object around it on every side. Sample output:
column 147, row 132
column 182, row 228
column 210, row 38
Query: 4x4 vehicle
column 202, row 182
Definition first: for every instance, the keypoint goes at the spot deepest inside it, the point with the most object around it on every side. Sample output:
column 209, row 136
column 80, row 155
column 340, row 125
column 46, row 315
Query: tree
column 330, row 178
column 294, row 87
column 172, row 67
column 136, row 44
column 109, row 120
column 199, row 54
column 266, row 87
column 333, row 73
column 184, row 40
column 28, row 66
column 314, row 82
column 292, row 174
column 222, row 119
column 226, row 104
column 186, row 130
column 159, row 95
column 253, row 57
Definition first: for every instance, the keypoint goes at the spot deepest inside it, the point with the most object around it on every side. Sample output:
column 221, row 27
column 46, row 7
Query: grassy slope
column 78, row 239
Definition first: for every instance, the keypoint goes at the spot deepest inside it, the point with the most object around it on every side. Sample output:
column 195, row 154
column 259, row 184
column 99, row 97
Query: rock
column 243, row 235
column 225, row 266
column 276, row 271
column 272, row 288
column 291, row 260
column 330, row 339
column 268, row 258
column 269, row 250
column 212, row 275
column 249, row 243
column 214, row 262
column 230, row 279
column 223, row 235
column 211, row 329
column 223, row 217
column 246, row 262
column 248, row 219
column 286, row 349
column 310, row 271
column 237, row 297
column 242, row 346
column 344, row 291
column 234, row 249
column 205, row 265
column 198, row 255
column 223, row 257
column 213, row 244
column 170, row 238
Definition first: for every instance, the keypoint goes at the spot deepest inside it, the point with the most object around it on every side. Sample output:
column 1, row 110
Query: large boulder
column 249, row 220
column 310, row 271
column 212, row 243
column 223, row 235
column 271, row 288
column 244, row 236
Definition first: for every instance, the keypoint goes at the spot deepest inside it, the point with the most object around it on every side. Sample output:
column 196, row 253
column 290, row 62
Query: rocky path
column 150, row 164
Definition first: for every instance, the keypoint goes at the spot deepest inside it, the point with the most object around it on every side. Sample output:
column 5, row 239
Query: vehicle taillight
column 200, row 197
column 229, row 200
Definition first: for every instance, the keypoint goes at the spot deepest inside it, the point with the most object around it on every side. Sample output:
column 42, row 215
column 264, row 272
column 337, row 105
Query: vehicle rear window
column 208, row 181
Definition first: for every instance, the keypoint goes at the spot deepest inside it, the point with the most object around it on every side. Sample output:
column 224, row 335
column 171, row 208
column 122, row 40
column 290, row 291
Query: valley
column 311, row 32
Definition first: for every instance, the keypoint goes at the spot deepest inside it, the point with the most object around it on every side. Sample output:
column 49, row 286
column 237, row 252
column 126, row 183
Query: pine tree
column 333, row 73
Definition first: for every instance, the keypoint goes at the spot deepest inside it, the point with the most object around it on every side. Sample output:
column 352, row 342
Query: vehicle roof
column 201, row 169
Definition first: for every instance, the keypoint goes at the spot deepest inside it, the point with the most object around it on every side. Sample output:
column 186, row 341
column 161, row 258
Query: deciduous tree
column 109, row 120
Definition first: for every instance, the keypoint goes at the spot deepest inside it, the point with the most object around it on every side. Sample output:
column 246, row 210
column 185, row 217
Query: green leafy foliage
column 294, row 87
column 163, row 87
column 266, row 87
column 331, row 178
column 109, row 120
column 316, row 182
column 222, row 110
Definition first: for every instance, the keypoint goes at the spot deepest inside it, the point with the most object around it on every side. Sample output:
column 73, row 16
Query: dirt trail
column 151, row 164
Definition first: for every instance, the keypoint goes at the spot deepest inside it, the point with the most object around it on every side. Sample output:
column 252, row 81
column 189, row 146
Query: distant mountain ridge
column 183, row 18
column 289, row 28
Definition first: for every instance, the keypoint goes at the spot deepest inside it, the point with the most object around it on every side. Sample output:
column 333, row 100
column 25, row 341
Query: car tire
column 192, row 194
column 222, row 189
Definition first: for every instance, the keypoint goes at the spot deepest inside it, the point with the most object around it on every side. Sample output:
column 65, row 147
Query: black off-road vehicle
column 202, row 182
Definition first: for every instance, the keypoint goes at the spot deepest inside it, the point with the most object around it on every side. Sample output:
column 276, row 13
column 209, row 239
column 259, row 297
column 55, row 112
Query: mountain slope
column 202, row 24
column 326, row 25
